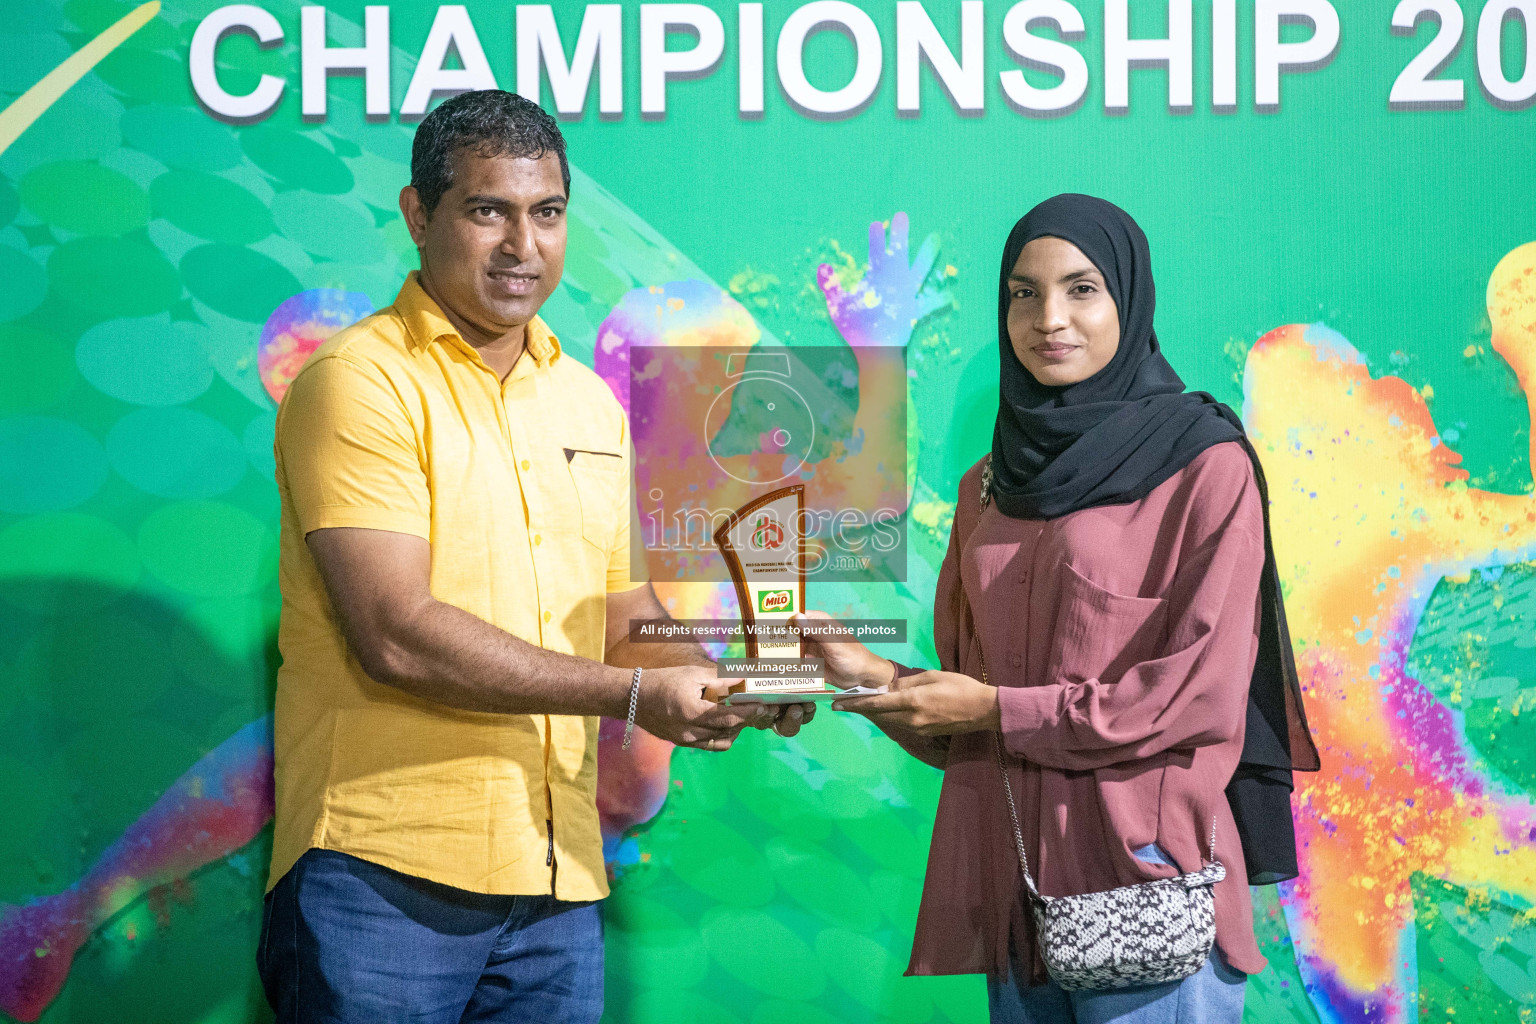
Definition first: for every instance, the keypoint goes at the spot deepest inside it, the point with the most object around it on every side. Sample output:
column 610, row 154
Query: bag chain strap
column 1013, row 812
column 1002, row 765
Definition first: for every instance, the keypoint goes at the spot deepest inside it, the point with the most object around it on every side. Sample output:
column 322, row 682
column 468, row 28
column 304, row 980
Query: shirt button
column 538, row 539
column 548, row 616
column 525, row 464
column 1017, row 660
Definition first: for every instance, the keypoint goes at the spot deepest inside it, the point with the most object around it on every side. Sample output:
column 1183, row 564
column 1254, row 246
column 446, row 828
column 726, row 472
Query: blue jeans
column 1212, row 995
column 344, row 941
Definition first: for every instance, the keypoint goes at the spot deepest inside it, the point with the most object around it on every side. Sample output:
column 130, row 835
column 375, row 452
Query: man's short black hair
column 492, row 123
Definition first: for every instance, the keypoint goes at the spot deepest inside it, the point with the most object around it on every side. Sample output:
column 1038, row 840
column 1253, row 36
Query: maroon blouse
column 1122, row 640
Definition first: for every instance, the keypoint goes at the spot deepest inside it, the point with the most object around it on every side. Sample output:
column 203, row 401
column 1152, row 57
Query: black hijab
column 1111, row 439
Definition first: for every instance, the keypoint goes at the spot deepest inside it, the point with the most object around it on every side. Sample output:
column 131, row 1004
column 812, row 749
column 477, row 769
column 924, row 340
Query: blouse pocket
column 1100, row 634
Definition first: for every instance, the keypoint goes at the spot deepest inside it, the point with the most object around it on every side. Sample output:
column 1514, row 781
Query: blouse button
column 1017, row 660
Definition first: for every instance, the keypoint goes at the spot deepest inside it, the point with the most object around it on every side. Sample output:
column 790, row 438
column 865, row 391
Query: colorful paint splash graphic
column 298, row 326
column 1370, row 514
column 213, row 810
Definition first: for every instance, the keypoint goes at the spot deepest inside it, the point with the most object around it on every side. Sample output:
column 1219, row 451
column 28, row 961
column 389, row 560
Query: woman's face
column 1061, row 320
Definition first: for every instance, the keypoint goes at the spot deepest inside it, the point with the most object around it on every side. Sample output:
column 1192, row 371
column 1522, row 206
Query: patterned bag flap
column 1210, row 875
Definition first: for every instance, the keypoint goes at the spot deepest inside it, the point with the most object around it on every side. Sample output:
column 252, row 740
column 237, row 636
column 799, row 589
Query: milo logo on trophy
column 764, row 549
column 776, row 601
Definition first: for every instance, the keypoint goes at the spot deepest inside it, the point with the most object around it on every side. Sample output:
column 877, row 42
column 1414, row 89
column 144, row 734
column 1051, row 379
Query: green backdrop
column 1326, row 265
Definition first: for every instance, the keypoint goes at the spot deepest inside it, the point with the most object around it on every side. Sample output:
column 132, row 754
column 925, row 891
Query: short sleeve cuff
column 328, row 517
column 622, row 577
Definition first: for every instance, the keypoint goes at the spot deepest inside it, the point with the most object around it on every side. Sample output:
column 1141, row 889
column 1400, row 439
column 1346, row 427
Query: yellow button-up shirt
column 522, row 489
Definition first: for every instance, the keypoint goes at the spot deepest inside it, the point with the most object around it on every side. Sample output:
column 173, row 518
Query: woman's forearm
column 931, row 750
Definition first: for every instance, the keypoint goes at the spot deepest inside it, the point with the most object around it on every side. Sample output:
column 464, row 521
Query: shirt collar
column 425, row 322
column 541, row 341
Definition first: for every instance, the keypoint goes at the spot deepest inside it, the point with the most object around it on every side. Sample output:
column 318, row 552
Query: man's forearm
column 445, row 654
column 628, row 654
column 628, row 608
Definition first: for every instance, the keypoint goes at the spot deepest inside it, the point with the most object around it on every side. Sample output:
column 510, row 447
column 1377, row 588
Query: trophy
column 763, row 544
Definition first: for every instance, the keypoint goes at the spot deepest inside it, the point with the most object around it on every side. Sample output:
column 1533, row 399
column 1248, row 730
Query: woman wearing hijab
column 1109, row 574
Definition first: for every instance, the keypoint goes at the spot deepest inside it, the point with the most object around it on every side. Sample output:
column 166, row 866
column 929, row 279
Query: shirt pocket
column 1100, row 634
column 600, row 491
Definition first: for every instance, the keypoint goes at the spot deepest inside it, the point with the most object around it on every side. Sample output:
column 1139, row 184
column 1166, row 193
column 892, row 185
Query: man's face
column 494, row 248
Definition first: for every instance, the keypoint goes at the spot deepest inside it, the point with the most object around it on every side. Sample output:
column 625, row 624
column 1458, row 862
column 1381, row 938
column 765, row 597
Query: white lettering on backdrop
column 1049, row 74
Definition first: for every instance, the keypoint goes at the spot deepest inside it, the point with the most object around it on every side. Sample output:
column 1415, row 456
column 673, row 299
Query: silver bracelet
column 634, row 701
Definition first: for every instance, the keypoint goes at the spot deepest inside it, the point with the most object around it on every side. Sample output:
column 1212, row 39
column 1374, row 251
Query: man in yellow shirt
column 455, row 571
